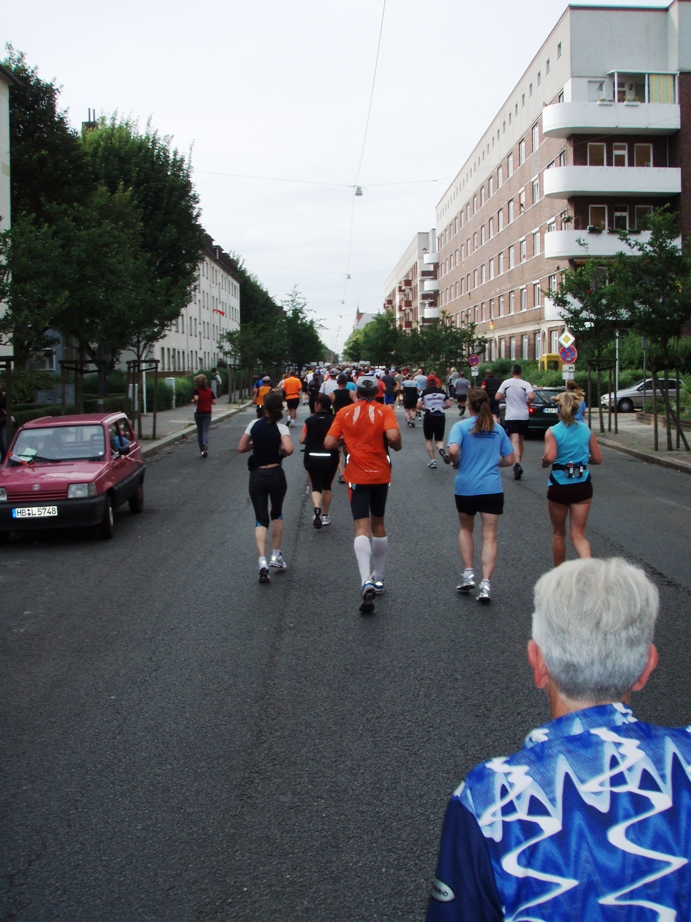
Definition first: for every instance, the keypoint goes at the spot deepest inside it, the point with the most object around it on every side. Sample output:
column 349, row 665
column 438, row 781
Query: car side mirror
column 125, row 450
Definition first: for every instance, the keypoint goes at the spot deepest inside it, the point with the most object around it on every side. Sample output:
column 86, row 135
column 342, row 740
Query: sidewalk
column 172, row 425
column 633, row 438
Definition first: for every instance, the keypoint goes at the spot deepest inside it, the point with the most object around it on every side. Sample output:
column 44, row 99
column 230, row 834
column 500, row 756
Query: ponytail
column 273, row 407
column 479, row 404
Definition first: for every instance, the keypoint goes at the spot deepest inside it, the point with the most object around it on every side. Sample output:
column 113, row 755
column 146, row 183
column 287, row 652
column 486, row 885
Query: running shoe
column 277, row 562
column 517, row 471
column 432, row 464
column 317, row 521
column 466, row 584
column 444, row 456
column 378, row 585
column 484, row 593
column 264, row 575
column 326, row 520
column 368, row 593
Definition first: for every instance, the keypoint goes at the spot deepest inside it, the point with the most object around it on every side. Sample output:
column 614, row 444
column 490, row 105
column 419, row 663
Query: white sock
column 379, row 548
column 469, row 572
column 485, row 582
column 276, row 552
column 262, row 563
column 363, row 554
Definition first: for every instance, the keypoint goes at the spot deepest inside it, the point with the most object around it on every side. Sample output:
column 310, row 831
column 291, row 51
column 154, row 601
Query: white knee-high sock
column 379, row 548
column 363, row 553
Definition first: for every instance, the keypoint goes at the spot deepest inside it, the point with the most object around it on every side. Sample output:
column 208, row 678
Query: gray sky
column 272, row 98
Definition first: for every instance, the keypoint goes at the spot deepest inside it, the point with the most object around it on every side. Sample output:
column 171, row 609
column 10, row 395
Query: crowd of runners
column 353, row 427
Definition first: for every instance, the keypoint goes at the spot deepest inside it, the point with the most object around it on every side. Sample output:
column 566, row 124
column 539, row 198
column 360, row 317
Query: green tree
column 256, row 304
column 301, row 332
column 381, row 340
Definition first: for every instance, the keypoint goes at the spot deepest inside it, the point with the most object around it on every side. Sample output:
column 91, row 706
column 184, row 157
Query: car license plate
column 550, row 410
column 34, row 512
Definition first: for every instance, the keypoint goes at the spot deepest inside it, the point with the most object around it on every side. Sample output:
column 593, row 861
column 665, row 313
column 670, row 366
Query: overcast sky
column 271, row 97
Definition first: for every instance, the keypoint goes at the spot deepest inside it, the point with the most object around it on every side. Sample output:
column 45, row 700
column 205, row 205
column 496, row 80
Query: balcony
column 564, row 244
column 430, row 259
column 567, row 181
column 563, row 119
column 430, row 286
column 407, row 283
column 431, row 313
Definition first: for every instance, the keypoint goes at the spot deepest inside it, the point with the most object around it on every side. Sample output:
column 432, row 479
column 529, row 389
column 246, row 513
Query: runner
column 410, row 398
column 491, row 384
column 518, row 395
column 269, row 441
column 481, row 447
column 390, row 388
column 367, row 430
column 292, row 386
column 569, row 447
column 320, row 464
column 460, row 389
column 433, row 401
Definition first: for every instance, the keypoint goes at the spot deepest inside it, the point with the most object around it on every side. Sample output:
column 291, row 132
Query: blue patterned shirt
column 590, row 821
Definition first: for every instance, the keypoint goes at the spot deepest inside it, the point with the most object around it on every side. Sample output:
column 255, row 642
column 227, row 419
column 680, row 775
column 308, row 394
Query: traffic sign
column 567, row 339
column 473, row 360
column 568, row 355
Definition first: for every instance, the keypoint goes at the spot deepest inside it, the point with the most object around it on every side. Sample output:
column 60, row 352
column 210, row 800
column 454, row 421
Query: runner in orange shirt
column 292, row 386
column 367, row 429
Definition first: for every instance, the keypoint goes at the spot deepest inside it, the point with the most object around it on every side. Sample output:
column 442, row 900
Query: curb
column 149, row 448
column 683, row 467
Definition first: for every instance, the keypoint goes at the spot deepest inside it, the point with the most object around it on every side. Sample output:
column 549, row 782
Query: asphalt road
column 182, row 743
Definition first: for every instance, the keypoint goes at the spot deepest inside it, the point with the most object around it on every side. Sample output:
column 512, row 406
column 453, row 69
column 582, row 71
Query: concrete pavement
column 634, row 437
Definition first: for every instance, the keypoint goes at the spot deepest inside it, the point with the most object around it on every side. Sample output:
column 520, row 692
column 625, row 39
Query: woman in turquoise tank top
column 570, row 447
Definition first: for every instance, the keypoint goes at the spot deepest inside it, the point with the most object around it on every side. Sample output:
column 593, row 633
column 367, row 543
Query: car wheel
column 107, row 526
column 625, row 405
column 136, row 502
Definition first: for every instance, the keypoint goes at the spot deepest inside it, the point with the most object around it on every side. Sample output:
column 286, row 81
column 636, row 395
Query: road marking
column 669, row 502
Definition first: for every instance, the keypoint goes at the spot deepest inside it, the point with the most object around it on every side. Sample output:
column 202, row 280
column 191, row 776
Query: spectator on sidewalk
column 203, row 399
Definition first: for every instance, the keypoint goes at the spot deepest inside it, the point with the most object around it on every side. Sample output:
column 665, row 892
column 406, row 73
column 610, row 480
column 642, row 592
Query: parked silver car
column 632, row 398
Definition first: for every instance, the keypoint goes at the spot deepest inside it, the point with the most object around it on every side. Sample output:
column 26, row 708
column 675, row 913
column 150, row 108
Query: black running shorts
column 433, row 427
column 567, row 493
column 491, row 503
column 368, row 499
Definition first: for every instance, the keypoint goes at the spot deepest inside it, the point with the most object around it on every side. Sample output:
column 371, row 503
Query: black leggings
column 267, row 483
column 321, row 480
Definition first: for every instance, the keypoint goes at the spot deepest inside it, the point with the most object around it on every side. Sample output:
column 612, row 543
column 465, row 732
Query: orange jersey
column 292, row 387
column 362, row 426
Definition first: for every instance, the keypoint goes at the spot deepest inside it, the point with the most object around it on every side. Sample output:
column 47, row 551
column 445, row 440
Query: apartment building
column 192, row 340
column 412, row 288
column 592, row 138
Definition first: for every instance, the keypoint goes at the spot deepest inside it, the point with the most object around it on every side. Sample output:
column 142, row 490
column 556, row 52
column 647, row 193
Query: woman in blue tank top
column 570, row 447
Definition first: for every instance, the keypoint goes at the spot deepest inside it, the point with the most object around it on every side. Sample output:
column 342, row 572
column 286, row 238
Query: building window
column 536, row 190
column 483, row 273
column 597, row 154
column 475, row 241
column 524, row 299
column 539, row 78
column 491, row 228
column 643, row 155
column 475, row 278
column 551, row 226
column 512, row 348
column 522, row 250
column 597, row 216
column 512, row 257
column 501, row 263
column 621, row 218
column 482, row 196
column 521, row 201
column 512, row 302
column 491, row 269
column 501, row 305
column 530, row 90
column 535, row 136
column 490, row 184
column 509, row 165
column 537, row 346
column 547, row 66
column 620, row 154
column 642, row 214
column 502, row 348
column 524, row 346
column 552, row 283
column 536, row 294
column 511, row 211
column 500, row 177
column 500, row 220
column 554, row 342
column 536, row 243
column 482, row 235
column 521, row 151
column 559, row 50
column 474, row 204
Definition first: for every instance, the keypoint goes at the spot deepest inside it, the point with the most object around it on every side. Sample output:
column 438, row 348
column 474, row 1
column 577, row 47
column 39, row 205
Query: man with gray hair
column 591, row 820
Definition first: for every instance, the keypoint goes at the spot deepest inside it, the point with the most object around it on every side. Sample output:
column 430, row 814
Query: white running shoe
column 277, row 562
column 432, row 464
column 326, row 520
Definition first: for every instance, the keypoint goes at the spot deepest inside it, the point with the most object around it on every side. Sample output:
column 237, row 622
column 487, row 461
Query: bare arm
column 499, row 395
column 447, row 403
column 550, row 452
column 245, row 443
column 331, row 443
column 595, row 453
column 507, row 460
column 530, row 396
column 453, row 450
column 394, row 439
column 286, row 446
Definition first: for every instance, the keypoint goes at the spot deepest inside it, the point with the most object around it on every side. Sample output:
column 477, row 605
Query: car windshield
column 547, row 394
column 59, row 443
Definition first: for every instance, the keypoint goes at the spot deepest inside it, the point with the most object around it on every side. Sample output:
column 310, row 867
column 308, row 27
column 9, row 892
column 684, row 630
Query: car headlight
column 3, row 495
column 81, row 490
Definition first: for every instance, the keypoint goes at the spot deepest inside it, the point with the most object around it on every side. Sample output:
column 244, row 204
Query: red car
column 70, row 471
